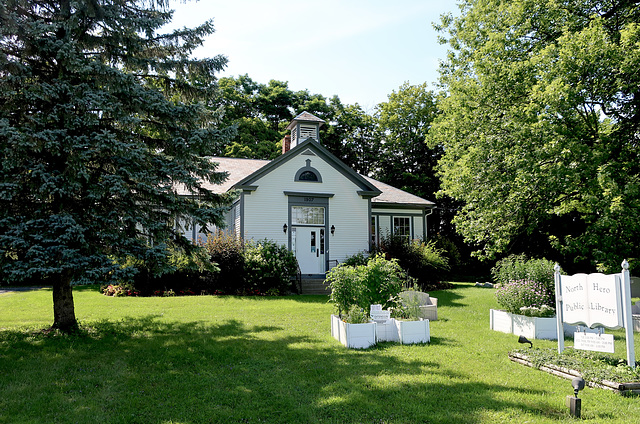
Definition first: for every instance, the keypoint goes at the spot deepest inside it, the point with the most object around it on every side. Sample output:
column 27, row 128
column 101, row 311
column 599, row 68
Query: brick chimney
column 286, row 144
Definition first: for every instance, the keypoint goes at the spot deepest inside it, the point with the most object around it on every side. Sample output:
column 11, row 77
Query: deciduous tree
column 541, row 128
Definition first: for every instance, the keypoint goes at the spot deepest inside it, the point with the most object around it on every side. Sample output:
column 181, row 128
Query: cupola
column 302, row 127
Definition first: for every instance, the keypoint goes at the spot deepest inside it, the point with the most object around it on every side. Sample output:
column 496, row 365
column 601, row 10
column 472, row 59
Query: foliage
column 346, row 287
column 408, row 308
column 593, row 366
column 117, row 290
column 270, row 267
column 404, row 159
column 526, row 297
column 360, row 258
column 378, row 282
column 422, row 261
column 353, row 137
column 227, row 252
column 540, row 129
column 519, row 267
column 382, row 280
column 99, row 124
column 525, row 286
column 357, row 315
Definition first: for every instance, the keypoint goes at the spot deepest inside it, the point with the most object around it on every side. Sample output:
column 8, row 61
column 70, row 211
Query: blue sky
column 360, row 50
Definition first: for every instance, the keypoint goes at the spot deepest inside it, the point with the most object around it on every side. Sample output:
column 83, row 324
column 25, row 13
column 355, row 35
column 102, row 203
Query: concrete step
column 314, row 286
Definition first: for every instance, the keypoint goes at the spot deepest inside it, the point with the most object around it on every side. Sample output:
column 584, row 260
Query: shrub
column 270, row 267
column 423, row 261
column 117, row 290
column 539, row 275
column 357, row 315
column 382, row 281
column 360, row 258
column 519, row 267
column 227, row 252
column 346, row 287
column 526, row 297
column 378, row 282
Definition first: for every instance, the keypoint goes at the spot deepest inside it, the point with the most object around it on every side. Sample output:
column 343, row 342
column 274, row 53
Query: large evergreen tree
column 98, row 127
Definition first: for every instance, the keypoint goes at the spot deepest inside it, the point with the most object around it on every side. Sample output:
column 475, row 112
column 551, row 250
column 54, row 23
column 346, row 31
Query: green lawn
column 206, row 359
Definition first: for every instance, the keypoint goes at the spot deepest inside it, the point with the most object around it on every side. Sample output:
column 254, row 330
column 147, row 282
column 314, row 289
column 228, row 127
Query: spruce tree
column 102, row 118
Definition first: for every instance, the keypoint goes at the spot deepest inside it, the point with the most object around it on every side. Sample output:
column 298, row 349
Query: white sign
column 377, row 314
column 592, row 300
column 593, row 341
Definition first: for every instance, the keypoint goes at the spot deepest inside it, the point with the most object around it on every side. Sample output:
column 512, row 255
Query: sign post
column 628, row 317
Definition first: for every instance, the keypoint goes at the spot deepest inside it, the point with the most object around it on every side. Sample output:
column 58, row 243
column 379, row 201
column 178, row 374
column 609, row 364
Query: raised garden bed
column 355, row 336
column 622, row 388
column 530, row 327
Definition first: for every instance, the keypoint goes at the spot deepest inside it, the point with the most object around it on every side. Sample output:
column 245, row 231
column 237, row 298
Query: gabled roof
column 391, row 196
column 242, row 171
column 305, row 117
column 327, row 156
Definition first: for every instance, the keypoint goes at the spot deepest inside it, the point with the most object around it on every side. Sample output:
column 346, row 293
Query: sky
column 359, row 50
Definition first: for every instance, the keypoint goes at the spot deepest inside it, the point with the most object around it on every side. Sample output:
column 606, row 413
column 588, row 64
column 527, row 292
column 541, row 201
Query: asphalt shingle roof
column 238, row 169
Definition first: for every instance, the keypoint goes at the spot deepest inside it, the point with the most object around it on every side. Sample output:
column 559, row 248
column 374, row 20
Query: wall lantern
column 333, row 229
column 284, row 228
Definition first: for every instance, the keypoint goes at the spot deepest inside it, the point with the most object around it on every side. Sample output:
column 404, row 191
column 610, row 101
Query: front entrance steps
column 310, row 285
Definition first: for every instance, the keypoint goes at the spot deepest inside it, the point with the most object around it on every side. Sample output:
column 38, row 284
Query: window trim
column 410, row 227
column 308, row 168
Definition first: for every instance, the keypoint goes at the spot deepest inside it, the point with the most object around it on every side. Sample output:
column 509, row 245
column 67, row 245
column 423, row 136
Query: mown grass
column 206, row 359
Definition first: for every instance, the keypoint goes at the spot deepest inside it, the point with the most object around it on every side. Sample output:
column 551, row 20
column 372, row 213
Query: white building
column 312, row 202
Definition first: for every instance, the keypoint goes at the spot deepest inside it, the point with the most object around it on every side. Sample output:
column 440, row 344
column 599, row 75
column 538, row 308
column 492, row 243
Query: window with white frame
column 402, row 226
column 374, row 230
column 307, row 215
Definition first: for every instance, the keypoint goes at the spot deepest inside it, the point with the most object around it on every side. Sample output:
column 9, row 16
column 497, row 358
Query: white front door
column 309, row 246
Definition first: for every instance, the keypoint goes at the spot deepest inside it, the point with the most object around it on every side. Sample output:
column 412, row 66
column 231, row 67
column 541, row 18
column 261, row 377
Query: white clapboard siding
column 266, row 208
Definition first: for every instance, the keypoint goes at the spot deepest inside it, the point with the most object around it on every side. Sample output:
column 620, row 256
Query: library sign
column 592, row 300
column 595, row 300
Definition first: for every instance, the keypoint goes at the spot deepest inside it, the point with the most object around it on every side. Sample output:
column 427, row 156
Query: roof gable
column 311, row 146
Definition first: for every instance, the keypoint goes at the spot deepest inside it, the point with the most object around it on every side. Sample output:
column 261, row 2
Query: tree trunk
column 64, row 316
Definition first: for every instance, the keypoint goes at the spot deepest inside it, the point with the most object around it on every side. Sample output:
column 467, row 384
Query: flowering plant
column 526, row 297
column 117, row 290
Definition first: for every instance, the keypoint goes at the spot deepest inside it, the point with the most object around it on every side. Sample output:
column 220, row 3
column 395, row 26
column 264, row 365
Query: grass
column 207, row 359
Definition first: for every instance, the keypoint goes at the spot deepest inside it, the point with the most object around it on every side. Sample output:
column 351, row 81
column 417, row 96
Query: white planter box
column 410, row 332
column 357, row 336
column 387, row 331
column 530, row 327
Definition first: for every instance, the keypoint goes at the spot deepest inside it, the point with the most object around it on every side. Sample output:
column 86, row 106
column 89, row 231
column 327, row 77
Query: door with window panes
column 308, row 238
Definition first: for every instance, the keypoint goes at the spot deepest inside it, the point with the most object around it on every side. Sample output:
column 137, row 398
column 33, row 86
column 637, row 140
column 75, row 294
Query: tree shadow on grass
column 149, row 370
